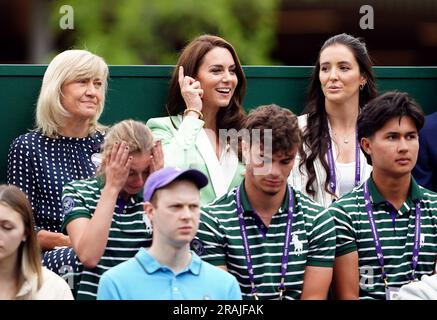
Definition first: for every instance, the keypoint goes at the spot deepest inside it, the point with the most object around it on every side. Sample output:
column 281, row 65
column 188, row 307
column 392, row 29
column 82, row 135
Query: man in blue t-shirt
column 168, row 270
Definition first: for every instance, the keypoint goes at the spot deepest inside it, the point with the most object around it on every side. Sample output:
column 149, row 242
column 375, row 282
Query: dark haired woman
column 342, row 83
column 205, row 101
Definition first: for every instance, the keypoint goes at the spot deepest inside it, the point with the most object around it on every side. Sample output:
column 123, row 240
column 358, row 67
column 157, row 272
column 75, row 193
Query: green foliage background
column 153, row 31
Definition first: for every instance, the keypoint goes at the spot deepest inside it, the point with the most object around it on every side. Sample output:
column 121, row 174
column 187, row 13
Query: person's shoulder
column 120, row 271
column 53, row 287
column 91, row 184
column 306, row 202
column 428, row 195
column 349, row 203
column 217, row 273
column 431, row 120
column 161, row 122
column 28, row 139
column 302, row 120
column 224, row 203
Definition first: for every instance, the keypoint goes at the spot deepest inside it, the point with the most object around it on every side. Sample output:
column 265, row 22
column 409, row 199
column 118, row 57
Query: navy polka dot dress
column 40, row 166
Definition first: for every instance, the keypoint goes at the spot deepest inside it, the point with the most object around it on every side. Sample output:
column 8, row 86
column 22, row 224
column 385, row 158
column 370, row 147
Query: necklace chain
column 345, row 138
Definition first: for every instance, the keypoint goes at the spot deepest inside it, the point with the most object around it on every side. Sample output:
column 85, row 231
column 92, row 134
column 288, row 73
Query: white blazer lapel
column 215, row 173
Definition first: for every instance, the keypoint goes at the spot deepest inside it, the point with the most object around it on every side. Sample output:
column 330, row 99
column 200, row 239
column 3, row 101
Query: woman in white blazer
column 332, row 163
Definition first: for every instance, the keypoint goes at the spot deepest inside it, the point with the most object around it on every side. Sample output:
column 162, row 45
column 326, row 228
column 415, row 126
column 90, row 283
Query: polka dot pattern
column 40, row 166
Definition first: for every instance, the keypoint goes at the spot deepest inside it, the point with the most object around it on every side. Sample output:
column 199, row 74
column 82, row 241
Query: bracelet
column 194, row 110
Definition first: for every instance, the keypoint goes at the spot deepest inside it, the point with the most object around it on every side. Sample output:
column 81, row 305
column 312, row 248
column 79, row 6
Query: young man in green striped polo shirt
column 273, row 239
column 387, row 226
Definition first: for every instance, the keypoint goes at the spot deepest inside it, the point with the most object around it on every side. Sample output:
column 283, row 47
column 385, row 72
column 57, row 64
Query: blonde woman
column 63, row 147
column 104, row 216
column 21, row 274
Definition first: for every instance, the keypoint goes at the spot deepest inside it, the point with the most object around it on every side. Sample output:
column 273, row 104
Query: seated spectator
column 205, row 100
column 63, row 147
column 425, row 171
column 168, row 270
column 332, row 163
column 276, row 241
column 104, row 215
column 22, row 277
column 386, row 227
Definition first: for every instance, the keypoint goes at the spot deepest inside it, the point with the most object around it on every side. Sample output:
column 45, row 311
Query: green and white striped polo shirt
column 312, row 243
column 130, row 229
column 396, row 233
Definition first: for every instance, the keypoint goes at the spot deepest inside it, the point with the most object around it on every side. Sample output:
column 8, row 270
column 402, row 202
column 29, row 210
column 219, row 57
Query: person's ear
column 149, row 210
column 363, row 80
column 366, row 145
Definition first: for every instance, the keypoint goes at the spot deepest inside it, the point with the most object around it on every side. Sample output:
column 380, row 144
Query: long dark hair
column 316, row 135
column 191, row 58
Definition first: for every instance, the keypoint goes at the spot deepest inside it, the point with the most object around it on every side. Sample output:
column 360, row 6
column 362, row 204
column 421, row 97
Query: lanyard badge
column 331, row 165
column 391, row 292
column 285, row 254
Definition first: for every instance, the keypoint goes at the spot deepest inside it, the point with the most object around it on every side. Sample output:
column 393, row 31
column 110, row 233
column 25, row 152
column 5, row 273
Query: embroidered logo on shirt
column 68, row 205
column 422, row 240
column 298, row 245
column 148, row 224
column 197, row 246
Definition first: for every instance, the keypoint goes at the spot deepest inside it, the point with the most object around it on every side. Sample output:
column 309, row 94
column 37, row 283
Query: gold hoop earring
column 362, row 86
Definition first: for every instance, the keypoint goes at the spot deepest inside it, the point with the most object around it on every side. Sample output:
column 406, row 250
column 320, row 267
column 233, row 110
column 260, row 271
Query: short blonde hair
column 137, row 135
column 29, row 255
column 67, row 66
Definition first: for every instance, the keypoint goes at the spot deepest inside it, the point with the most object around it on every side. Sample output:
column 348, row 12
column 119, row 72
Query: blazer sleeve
column 178, row 143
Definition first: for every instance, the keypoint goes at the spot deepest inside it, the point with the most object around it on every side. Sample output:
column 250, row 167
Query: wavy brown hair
column 316, row 135
column 191, row 58
column 286, row 134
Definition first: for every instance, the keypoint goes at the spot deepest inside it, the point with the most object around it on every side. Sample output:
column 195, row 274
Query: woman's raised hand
column 191, row 91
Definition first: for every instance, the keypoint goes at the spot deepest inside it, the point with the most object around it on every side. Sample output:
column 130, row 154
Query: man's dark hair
column 286, row 134
column 382, row 109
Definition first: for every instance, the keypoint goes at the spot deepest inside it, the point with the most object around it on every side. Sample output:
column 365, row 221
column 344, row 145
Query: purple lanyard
column 331, row 165
column 284, row 260
column 377, row 242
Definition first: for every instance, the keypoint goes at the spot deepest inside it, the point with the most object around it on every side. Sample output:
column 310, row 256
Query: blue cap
column 165, row 176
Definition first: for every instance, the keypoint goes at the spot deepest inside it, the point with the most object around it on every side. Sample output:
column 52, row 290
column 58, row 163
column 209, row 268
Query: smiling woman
column 63, row 147
column 205, row 97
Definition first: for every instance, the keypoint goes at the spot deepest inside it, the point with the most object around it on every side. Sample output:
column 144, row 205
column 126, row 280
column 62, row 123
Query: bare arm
column 346, row 277
column 316, row 283
column 49, row 240
column 90, row 236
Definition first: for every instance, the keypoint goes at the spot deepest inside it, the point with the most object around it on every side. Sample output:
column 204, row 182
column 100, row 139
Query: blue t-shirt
column 144, row 278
